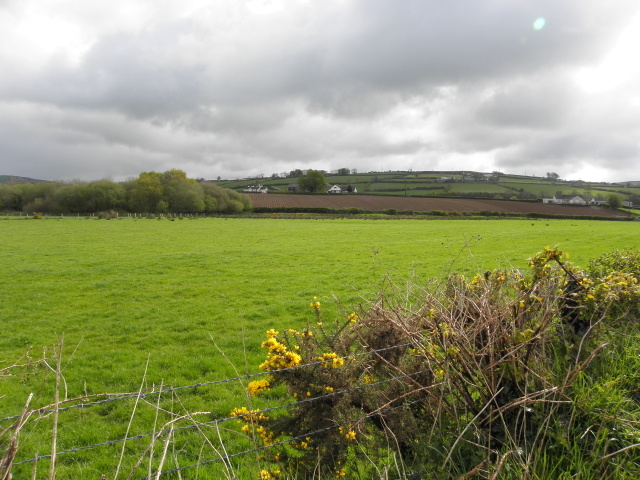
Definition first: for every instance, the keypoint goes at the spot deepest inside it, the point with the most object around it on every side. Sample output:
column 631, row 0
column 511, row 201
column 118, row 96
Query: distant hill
column 458, row 184
column 16, row 179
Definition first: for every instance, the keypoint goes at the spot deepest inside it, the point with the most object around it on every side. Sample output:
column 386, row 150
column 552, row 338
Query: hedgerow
column 504, row 375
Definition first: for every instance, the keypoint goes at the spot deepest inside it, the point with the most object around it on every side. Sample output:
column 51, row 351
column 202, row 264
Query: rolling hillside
column 456, row 184
column 15, row 179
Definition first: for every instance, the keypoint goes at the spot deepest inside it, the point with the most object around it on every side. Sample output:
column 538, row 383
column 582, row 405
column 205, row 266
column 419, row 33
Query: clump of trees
column 152, row 192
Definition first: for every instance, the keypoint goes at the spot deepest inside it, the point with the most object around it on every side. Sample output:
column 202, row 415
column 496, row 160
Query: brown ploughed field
column 423, row 204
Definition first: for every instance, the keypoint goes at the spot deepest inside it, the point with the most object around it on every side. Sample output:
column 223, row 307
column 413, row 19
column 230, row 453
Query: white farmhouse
column 256, row 189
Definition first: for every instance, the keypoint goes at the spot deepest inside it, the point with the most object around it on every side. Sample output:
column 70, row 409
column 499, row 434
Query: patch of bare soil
column 418, row 204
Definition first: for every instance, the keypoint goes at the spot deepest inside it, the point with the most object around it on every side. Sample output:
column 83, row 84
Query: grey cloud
column 571, row 150
column 535, row 103
column 380, row 53
column 542, row 121
column 57, row 143
column 449, row 42
column 605, row 148
column 320, row 85
column 129, row 72
column 374, row 46
column 243, row 121
column 490, row 116
column 377, row 52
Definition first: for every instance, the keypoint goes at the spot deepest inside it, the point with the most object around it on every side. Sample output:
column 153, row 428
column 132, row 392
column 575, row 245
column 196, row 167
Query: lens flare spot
column 539, row 23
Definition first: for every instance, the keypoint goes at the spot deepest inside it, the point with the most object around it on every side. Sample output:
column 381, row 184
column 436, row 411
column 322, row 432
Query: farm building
column 565, row 200
column 339, row 189
column 256, row 189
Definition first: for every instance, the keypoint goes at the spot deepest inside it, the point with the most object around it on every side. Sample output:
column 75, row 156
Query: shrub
column 108, row 214
column 469, row 377
column 627, row 261
column 615, row 278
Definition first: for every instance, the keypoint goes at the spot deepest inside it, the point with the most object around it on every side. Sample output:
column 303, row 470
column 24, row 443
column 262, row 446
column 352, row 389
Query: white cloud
column 617, row 68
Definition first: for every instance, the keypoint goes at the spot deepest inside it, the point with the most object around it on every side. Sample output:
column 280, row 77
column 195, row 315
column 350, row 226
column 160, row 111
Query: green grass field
column 123, row 290
column 193, row 298
column 476, row 187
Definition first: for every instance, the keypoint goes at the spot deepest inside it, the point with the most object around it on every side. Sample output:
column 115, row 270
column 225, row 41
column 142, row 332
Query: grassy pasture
column 477, row 187
column 123, row 290
column 131, row 291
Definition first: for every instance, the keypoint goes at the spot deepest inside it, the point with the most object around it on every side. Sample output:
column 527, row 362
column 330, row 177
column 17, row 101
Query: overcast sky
column 97, row 89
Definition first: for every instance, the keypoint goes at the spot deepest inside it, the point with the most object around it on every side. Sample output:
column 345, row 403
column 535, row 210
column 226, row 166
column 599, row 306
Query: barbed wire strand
column 282, row 442
column 50, row 409
column 224, row 419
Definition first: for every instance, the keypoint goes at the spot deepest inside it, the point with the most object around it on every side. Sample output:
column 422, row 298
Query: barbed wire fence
column 231, row 444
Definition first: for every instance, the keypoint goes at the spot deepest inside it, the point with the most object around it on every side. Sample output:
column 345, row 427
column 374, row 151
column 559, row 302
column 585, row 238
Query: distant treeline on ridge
column 151, row 192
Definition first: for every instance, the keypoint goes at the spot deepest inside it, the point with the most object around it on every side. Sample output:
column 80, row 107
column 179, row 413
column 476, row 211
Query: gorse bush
column 505, row 375
column 623, row 261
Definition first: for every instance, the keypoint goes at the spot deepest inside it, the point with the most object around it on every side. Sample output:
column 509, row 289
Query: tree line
column 151, row 192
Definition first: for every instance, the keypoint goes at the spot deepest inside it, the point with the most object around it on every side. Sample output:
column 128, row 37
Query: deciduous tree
column 312, row 182
column 146, row 192
column 182, row 194
column 613, row 201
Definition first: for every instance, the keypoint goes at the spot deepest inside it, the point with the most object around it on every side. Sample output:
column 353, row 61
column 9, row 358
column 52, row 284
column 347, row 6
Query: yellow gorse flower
column 268, row 474
column 258, row 386
column 445, row 329
column 278, row 357
column 248, row 416
column 252, row 419
column 331, row 360
column 315, row 304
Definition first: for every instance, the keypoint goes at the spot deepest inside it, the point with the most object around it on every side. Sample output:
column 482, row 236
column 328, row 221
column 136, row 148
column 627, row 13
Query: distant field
column 380, row 186
column 424, row 204
column 540, row 189
column 467, row 187
column 170, row 293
